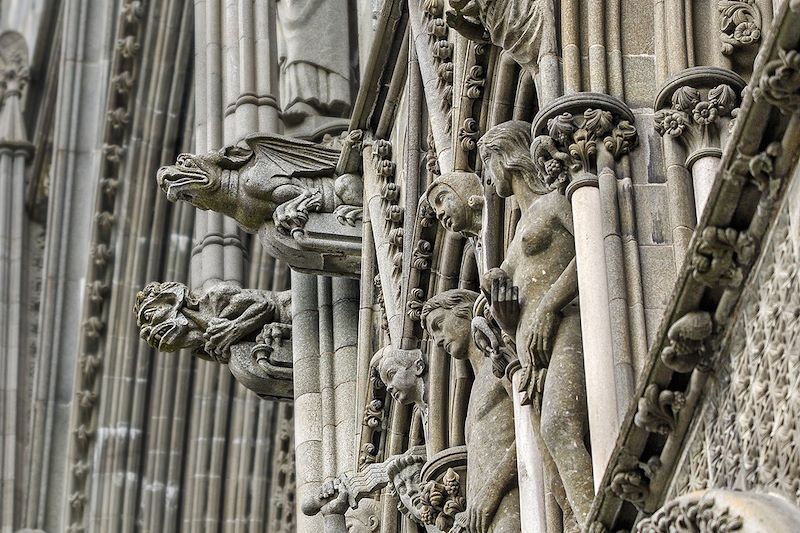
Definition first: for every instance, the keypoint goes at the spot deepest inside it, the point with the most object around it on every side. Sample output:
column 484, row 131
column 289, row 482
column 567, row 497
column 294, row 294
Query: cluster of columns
column 14, row 151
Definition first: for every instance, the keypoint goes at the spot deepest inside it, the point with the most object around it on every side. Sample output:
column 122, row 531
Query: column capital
column 696, row 107
column 13, row 81
column 577, row 134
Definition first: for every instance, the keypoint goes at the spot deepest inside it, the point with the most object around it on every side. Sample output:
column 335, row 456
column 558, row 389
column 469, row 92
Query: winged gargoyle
column 266, row 178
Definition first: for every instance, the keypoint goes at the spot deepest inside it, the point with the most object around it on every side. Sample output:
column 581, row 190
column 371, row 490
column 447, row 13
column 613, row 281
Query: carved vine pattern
column 739, row 24
column 118, row 117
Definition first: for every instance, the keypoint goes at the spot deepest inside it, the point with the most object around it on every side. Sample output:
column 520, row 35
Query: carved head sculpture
column 161, row 313
column 404, row 477
column 194, row 177
column 457, row 199
column 250, row 180
column 505, row 151
column 447, row 318
column 402, row 372
column 366, row 518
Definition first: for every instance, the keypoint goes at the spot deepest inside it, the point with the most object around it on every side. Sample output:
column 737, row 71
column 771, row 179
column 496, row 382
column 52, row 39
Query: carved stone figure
column 492, row 493
column 532, row 298
column 315, row 78
column 271, row 177
column 404, row 372
column 248, row 329
column 525, row 29
column 366, row 518
column 400, row 472
column 457, row 199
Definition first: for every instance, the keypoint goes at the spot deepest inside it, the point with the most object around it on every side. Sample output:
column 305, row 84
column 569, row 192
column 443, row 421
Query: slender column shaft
column 704, row 170
column 601, row 393
column 307, row 398
column 530, row 463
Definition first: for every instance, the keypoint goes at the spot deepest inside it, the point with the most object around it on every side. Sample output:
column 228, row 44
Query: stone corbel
column 249, row 330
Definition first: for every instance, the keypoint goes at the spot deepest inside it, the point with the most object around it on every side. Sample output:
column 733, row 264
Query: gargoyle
column 266, row 177
column 247, row 329
column 171, row 318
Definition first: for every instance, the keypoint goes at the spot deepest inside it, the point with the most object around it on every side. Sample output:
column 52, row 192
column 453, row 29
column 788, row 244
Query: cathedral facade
column 399, row 266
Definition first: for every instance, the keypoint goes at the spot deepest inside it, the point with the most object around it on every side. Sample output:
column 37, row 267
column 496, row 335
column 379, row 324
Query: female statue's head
column 505, row 151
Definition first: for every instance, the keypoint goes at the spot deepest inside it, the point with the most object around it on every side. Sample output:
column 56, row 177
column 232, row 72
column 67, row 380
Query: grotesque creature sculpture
column 170, row 318
column 524, row 28
column 457, row 200
column 404, row 373
column 492, row 492
column 248, row 329
column 532, row 297
column 269, row 178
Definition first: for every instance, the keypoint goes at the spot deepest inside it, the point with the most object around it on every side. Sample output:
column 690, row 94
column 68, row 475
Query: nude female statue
column 492, row 491
column 531, row 297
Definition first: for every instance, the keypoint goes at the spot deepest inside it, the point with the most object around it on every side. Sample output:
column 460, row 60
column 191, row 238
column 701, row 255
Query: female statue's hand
column 482, row 510
column 504, row 301
column 543, row 330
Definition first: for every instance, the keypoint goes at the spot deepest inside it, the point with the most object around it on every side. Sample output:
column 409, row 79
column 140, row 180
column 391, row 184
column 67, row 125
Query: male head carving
column 447, row 317
column 402, row 372
column 505, row 151
column 404, row 471
column 457, row 199
column 160, row 310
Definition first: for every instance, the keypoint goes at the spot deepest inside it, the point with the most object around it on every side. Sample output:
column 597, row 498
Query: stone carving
column 540, row 270
column 780, row 83
column 722, row 511
column 366, row 518
column 631, row 479
column 315, row 80
column 492, row 503
column 14, row 71
column 524, row 29
column 248, row 329
column 404, row 372
column 400, row 472
column 748, row 425
column 270, row 178
column 442, row 52
column 687, row 347
column 721, row 255
column 440, row 502
column 739, row 25
column 457, row 199
column 658, row 409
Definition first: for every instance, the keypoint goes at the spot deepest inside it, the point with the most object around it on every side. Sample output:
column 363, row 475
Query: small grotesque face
column 494, row 173
column 161, row 321
column 406, row 485
column 401, row 371
column 449, row 331
column 450, row 209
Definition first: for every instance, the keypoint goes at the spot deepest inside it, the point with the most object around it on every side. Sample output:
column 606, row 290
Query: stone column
column 307, row 397
column 14, row 150
column 575, row 137
column 694, row 110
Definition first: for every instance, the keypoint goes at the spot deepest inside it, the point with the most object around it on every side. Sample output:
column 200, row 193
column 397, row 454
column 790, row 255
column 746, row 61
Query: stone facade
column 444, row 266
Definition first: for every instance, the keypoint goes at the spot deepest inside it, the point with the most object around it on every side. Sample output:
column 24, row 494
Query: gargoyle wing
column 294, row 157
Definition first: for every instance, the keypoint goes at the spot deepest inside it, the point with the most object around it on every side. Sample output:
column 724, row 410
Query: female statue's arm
column 482, row 511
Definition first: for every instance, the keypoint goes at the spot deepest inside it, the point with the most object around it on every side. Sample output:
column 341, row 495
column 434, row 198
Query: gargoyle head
column 161, row 314
column 196, row 178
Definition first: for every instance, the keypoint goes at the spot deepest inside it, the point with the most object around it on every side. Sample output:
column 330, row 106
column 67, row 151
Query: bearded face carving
column 161, row 314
